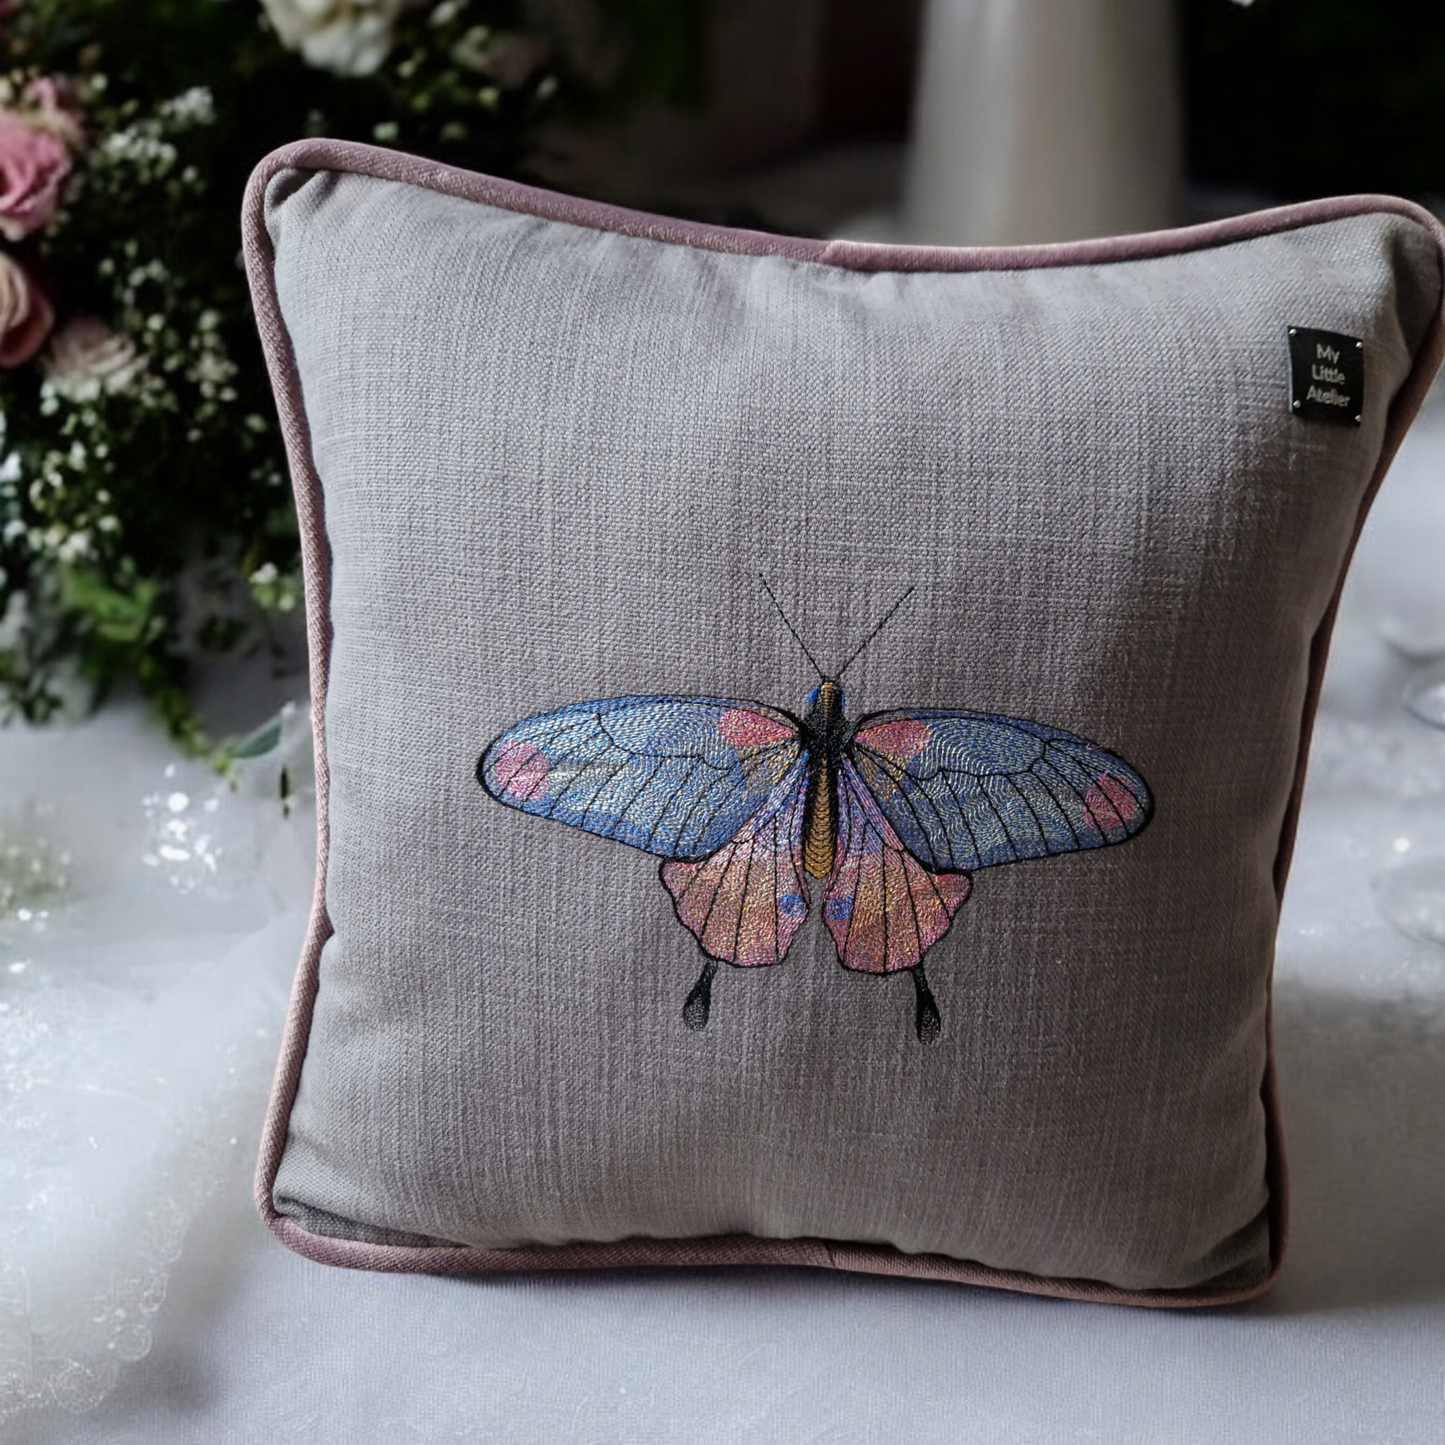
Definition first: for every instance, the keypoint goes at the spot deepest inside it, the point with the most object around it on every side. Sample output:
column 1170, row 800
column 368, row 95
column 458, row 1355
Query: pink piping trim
column 316, row 560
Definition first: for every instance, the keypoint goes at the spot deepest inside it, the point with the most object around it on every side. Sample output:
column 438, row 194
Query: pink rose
column 86, row 359
column 25, row 314
column 34, row 160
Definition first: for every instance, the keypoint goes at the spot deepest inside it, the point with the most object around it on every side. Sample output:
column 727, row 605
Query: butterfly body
column 825, row 732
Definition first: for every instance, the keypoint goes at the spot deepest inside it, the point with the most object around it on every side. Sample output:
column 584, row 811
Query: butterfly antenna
column 791, row 628
column 884, row 623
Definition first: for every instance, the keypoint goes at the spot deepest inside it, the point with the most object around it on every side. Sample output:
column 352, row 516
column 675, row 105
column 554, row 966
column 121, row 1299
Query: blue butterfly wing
column 967, row 790
column 674, row 776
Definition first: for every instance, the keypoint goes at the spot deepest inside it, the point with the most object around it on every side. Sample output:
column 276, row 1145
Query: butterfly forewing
column 674, row 776
column 967, row 790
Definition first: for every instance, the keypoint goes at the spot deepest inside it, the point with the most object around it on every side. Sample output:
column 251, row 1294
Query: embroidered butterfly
column 749, row 805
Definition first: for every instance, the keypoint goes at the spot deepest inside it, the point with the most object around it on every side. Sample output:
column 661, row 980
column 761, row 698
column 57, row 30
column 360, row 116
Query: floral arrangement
column 145, row 514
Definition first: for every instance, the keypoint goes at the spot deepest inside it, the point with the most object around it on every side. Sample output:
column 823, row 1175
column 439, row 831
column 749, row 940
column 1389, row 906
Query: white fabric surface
column 252, row 1343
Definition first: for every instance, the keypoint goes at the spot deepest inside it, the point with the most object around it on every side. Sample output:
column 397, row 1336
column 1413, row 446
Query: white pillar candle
column 1043, row 120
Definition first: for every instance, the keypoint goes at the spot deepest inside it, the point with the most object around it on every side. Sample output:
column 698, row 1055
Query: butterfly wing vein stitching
column 658, row 773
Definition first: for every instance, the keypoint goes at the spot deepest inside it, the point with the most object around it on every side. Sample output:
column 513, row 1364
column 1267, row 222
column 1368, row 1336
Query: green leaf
column 124, row 617
column 265, row 739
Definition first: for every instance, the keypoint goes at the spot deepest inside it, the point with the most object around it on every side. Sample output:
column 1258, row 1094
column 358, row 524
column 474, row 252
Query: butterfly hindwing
column 745, row 902
column 677, row 777
column 968, row 790
column 883, row 908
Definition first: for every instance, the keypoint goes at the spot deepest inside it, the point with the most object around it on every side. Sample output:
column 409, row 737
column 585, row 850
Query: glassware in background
column 1425, row 694
column 1397, row 590
column 196, row 822
column 1412, row 895
column 150, row 911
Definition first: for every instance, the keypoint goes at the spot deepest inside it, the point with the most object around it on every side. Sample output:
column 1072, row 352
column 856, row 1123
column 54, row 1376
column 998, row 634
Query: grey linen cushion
column 548, row 453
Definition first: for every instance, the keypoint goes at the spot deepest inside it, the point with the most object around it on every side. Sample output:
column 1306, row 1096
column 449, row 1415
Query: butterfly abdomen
column 820, row 822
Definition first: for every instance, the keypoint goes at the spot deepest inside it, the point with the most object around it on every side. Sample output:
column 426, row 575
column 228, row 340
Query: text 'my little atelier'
column 1327, row 375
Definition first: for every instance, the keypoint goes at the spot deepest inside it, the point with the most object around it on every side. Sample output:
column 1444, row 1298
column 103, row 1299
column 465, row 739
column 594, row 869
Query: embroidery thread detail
column 745, row 803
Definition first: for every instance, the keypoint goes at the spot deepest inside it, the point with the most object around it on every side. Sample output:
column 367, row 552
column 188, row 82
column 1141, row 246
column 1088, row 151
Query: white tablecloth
column 252, row 1343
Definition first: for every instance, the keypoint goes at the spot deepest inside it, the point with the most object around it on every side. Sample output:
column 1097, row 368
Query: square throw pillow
column 809, row 734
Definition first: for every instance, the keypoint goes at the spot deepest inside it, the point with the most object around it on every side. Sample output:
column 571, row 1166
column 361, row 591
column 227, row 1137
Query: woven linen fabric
column 554, row 450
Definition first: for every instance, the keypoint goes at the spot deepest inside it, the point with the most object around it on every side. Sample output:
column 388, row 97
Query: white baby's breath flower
column 195, row 106
column 275, row 590
column 213, row 368
column 86, row 359
column 74, row 548
column 349, row 37
column 139, row 145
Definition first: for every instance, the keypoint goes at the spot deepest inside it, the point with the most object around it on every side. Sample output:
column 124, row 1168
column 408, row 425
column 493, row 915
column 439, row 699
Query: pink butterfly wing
column 745, row 902
column 883, row 908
